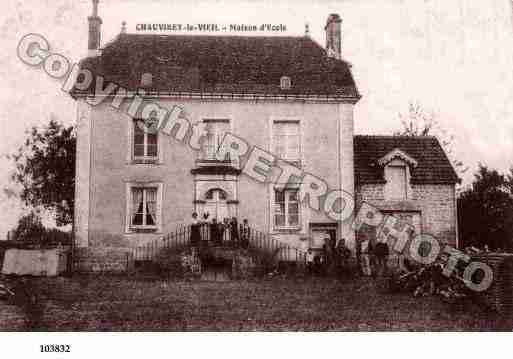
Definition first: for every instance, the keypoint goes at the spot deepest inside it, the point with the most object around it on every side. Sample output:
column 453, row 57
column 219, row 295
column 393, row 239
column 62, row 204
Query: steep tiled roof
column 223, row 64
column 433, row 165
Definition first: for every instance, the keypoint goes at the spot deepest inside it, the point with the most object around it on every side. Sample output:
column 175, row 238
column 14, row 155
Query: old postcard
column 256, row 166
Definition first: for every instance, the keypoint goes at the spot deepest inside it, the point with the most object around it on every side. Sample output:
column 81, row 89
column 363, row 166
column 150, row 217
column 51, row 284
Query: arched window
column 216, row 194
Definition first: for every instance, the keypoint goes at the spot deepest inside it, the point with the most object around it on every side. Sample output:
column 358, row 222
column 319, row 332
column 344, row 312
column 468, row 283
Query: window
column 211, row 194
column 146, row 79
column 396, row 182
column 286, row 208
column 285, row 83
column 144, row 207
column 216, row 129
column 286, row 141
column 145, row 148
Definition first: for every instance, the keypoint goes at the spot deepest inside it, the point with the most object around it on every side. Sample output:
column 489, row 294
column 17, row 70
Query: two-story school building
column 286, row 95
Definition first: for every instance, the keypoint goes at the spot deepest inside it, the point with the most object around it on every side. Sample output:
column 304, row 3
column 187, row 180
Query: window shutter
column 396, row 182
column 286, row 140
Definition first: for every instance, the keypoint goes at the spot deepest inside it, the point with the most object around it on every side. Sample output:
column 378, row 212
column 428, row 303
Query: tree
column 421, row 122
column 417, row 122
column 485, row 211
column 29, row 226
column 509, row 181
column 45, row 170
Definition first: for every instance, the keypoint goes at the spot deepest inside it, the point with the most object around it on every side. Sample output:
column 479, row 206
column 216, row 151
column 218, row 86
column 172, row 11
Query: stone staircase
column 219, row 258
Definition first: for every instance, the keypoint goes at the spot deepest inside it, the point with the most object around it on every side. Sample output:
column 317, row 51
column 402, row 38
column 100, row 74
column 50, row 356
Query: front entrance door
column 321, row 233
column 216, row 204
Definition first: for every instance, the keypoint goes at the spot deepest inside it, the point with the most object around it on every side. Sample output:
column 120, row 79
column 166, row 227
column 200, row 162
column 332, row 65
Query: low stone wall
column 187, row 263
column 102, row 259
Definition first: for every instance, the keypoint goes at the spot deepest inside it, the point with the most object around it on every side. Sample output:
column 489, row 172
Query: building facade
column 287, row 96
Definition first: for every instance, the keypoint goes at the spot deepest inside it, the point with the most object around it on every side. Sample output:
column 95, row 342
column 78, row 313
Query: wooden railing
column 260, row 244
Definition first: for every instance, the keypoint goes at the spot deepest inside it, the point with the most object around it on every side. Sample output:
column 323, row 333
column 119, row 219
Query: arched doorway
column 216, row 204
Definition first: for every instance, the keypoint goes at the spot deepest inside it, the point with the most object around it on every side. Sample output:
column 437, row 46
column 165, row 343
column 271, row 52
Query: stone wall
column 102, row 259
column 436, row 204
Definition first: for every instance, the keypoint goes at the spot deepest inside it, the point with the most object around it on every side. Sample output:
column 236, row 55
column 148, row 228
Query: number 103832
column 55, row 348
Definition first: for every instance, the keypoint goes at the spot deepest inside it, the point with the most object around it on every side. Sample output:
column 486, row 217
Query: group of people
column 332, row 258
column 374, row 258
column 216, row 232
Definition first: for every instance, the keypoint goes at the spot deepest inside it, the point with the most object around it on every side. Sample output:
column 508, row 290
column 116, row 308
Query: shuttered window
column 286, row 140
column 396, row 182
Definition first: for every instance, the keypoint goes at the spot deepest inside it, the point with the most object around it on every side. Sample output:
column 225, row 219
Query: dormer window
column 285, row 83
column 146, row 80
column 396, row 167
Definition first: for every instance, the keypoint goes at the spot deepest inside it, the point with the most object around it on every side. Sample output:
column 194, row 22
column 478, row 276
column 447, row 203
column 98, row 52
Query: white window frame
column 142, row 160
column 129, row 228
column 287, row 225
column 299, row 162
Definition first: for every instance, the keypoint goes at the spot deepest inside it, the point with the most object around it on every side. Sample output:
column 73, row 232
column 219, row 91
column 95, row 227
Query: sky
column 454, row 57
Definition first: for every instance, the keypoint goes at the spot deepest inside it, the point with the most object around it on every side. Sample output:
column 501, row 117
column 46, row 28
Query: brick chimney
column 333, row 36
column 95, row 25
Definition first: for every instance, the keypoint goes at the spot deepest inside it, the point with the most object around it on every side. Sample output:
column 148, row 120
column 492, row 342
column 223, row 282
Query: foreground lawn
column 109, row 303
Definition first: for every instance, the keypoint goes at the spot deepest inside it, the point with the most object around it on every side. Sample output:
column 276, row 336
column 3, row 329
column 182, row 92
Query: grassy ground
column 109, row 303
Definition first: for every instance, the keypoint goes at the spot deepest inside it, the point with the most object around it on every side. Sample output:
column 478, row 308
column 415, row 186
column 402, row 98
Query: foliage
column 485, row 211
column 417, row 122
column 29, row 227
column 45, row 170
column 421, row 122
column 31, row 230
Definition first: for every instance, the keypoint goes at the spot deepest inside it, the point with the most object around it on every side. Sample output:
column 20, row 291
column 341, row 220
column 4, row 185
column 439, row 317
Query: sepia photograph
column 256, row 166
